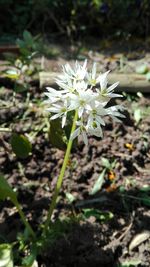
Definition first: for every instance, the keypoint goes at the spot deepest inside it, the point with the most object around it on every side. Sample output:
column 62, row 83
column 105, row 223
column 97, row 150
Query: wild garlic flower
column 88, row 94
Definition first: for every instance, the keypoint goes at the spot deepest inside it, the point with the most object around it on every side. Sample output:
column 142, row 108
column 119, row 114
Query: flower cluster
column 88, row 94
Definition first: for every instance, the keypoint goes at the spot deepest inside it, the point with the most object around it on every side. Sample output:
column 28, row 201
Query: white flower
column 113, row 112
column 93, row 80
column 95, row 114
column 78, row 73
column 81, row 130
column 81, row 101
column 53, row 95
column 94, row 128
column 67, row 86
column 91, row 77
column 79, row 92
column 104, row 93
column 60, row 110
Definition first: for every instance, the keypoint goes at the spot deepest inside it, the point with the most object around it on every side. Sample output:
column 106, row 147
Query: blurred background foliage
column 75, row 18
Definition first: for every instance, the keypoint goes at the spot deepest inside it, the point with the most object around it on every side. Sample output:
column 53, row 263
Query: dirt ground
column 87, row 240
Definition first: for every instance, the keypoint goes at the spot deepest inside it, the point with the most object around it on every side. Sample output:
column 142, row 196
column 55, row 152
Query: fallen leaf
column 138, row 239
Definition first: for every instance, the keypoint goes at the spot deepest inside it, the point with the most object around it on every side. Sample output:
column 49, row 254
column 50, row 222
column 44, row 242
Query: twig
column 117, row 241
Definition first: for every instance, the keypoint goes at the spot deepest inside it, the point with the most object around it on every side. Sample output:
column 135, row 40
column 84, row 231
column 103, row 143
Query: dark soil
column 88, row 241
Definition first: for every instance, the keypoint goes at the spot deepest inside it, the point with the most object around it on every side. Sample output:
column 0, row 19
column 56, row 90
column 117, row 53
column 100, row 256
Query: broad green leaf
column 98, row 184
column 57, row 134
column 68, row 126
column 142, row 69
column 29, row 260
column 148, row 76
column 6, row 190
column 113, row 164
column 19, row 88
column 99, row 215
column 28, row 37
column 69, row 122
column 106, row 163
column 20, row 145
column 137, row 115
column 20, row 43
column 145, row 199
column 6, row 257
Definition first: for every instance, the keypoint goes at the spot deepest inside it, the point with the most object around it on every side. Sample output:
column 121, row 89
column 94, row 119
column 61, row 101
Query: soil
column 86, row 241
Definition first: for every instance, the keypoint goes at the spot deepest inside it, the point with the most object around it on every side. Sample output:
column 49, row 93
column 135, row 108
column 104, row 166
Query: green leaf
column 12, row 74
column 131, row 263
column 145, row 188
column 148, row 76
column 68, row 126
column 19, row 88
column 6, row 190
column 30, row 260
column 57, row 134
column 145, row 199
column 98, row 184
column 20, row 145
column 70, row 197
column 142, row 69
column 6, row 257
column 137, row 115
column 99, row 215
column 28, row 38
column 106, row 163
column 20, row 43
column 113, row 164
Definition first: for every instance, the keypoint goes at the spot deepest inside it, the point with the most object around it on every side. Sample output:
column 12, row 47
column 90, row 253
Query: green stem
column 60, row 178
column 24, row 220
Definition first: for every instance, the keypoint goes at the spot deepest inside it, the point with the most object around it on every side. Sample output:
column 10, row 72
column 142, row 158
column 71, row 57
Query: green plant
column 145, row 70
column 109, row 168
column 22, row 67
column 81, row 96
column 131, row 263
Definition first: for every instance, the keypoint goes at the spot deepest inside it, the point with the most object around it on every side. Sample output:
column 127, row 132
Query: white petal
column 85, row 64
column 55, row 116
column 99, row 119
column 75, row 133
column 113, row 86
column 103, row 80
column 114, row 95
column 85, row 139
column 53, row 92
column 115, row 119
column 80, row 111
column 64, row 119
column 54, row 109
column 94, row 71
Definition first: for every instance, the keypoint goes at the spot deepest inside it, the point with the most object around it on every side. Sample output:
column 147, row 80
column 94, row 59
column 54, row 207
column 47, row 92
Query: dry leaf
column 138, row 239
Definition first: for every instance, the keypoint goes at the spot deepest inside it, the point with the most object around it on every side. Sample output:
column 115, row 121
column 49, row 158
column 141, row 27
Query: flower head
column 88, row 94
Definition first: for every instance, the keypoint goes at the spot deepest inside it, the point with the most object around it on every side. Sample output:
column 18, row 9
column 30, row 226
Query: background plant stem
column 24, row 220
column 60, row 178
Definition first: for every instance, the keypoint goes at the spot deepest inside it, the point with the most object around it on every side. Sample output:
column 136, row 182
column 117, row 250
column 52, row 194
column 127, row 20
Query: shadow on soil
column 89, row 242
